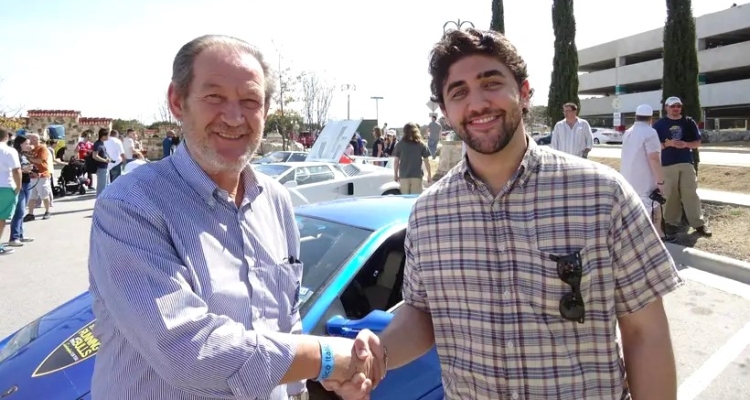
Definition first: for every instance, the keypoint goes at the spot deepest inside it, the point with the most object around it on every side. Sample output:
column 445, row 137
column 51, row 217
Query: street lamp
column 458, row 24
column 348, row 88
column 377, row 112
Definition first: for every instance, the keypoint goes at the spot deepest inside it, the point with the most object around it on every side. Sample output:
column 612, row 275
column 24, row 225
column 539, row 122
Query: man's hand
column 395, row 178
column 368, row 352
column 679, row 144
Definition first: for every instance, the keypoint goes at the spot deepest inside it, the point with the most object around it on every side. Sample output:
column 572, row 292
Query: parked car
column 606, row 135
column 282, row 156
column 353, row 255
column 311, row 182
column 544, row 140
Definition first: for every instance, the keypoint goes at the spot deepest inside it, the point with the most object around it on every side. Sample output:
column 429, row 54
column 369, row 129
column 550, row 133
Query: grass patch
column 716, row 177
column 731, row 229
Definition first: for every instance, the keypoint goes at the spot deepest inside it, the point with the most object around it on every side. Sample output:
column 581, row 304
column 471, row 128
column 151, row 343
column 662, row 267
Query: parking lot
column 709, row 317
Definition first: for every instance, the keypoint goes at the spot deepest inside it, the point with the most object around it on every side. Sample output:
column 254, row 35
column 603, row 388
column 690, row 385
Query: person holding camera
column 641, row 165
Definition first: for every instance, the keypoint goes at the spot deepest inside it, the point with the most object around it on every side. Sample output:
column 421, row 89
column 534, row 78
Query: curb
column 712, row 263
column 724, row 203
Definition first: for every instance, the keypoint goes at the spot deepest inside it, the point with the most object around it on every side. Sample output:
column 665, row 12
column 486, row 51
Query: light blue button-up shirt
column 194, row 297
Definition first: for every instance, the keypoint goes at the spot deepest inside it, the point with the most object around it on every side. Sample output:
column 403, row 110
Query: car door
column 316, row 183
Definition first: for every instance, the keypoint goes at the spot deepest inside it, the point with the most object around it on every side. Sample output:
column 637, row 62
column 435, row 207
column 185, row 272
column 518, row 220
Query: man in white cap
column 679, row 135
column 641, row 164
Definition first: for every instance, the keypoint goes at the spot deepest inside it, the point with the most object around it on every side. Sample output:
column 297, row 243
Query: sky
column 113, row 59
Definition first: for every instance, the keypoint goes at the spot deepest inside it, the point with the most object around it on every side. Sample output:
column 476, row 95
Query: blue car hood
column 51, row 358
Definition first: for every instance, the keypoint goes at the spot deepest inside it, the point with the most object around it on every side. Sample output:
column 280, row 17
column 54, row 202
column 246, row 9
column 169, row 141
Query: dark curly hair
column 458, row 44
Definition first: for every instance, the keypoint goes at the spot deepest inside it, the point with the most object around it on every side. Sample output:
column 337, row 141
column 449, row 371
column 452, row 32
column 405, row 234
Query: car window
column 324, row 247
column 272, row 170
column 298, row 157
column 313, row 174
column 275, row 157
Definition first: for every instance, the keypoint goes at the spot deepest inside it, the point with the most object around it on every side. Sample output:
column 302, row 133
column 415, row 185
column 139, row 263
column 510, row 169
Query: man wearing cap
column 679, row 135
column 641, row 164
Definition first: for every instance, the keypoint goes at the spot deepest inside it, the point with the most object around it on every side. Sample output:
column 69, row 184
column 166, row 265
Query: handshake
column 352, row 369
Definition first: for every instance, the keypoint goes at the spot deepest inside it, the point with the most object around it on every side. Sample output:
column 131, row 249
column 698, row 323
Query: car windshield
column 272, row 170
column 275, row 157
column 324, row 247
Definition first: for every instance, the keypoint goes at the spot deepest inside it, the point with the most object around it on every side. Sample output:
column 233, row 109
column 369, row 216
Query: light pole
column 348, row 88
column 377, row 112
column 458, row 24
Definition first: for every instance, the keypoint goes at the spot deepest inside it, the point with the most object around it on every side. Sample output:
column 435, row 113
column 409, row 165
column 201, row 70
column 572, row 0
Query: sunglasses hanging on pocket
column 570, row 271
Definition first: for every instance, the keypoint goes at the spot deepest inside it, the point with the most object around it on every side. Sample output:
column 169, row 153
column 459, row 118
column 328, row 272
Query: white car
column 282, row 156
column 606, row 135
column 312, row 182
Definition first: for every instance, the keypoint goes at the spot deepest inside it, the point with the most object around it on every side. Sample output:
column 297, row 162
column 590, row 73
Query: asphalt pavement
column 709, row 316
column 738, row 159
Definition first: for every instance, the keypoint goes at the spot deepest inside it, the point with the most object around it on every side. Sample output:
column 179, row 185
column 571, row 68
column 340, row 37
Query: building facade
column 616, row 77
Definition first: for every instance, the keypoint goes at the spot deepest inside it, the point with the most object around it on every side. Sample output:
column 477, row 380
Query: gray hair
column 4, row 134
column 33, row 136
column 184, row 62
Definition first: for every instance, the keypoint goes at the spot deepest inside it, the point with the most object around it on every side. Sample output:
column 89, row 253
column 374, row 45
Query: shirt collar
column 530, row 165
column 197, row 178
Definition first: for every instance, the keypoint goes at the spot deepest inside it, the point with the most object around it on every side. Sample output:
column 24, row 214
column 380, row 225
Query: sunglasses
column 570, row 271
column 676, row 106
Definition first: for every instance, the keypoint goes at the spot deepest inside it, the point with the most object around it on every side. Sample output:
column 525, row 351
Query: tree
column 283, row 123
column 563, row 87
column 498, row 17
column 680, row 76
column 317, row 94
column 9, row 112
column 537, row 116
column 122, row 125
column 164, row 114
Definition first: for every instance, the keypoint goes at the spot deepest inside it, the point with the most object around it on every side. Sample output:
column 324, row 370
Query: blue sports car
column 353, row 255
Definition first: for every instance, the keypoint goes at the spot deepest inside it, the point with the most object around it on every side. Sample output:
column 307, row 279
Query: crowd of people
column 28, row 179
column 657, row 160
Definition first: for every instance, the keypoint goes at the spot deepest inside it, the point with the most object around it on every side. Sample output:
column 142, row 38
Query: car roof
column 302, row 163
column 372, row 213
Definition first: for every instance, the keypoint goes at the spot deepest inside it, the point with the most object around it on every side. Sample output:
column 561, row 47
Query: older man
column 202, row 301
column 41, row 186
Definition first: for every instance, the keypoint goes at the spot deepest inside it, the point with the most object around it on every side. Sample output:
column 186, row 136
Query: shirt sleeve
column 397, row 150
column 413, row 290
column 644, row 270
column 554, row 141
column 696, row 132
column 15, row 163
column 652, row 143
column 137, row 276
column 588, row 135
column 425, row 151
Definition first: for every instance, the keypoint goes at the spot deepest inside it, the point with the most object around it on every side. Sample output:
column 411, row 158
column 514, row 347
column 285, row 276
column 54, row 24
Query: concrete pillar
column 619, row 62
column 701, row 44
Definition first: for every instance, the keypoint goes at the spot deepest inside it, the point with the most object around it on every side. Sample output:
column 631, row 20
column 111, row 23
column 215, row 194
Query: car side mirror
column 375, row 321
column 290, row 184
column 350, row 188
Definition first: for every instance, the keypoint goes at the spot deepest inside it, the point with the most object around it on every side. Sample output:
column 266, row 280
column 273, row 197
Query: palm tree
column 498, row 17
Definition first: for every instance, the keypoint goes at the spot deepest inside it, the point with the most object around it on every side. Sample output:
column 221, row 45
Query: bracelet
column 660, row 183
column 385, row 362
column 326, row 362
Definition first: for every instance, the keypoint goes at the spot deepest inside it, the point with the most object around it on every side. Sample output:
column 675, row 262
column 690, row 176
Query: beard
column 495, row 140
column 211, row 159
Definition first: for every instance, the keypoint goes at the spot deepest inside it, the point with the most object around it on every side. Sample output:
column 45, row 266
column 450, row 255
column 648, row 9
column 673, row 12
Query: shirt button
column 514, row 396
column 510, row 344
column 506, row 294
column 256, row 313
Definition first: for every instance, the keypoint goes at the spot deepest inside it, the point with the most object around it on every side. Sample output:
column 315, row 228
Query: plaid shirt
column 480, row 265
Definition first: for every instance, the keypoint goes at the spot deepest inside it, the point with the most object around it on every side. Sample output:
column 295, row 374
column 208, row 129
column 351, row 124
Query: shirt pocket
column 287, row 283
column 543, row 288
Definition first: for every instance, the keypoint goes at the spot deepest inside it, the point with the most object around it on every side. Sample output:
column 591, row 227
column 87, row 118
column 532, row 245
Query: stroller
column 73, row 177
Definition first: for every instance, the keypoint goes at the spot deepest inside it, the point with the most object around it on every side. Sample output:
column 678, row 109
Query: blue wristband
column 326, row 362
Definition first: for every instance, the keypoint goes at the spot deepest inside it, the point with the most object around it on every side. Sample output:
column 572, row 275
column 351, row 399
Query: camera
column 657, row 197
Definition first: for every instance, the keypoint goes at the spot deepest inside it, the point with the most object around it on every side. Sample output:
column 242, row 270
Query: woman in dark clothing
column 17, row 239
column 390, row 143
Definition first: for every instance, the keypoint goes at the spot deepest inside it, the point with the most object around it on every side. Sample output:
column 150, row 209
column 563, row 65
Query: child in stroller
column 73, row 177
